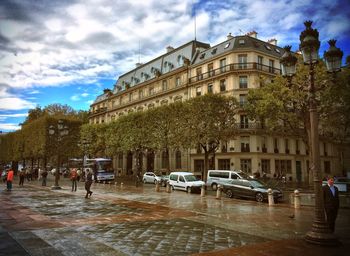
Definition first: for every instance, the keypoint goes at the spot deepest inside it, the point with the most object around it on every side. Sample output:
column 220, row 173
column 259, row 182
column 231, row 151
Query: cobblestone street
column 131, row 220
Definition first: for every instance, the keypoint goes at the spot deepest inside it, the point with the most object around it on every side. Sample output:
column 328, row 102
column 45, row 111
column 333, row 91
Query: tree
column 211, row 121
column 283, row 106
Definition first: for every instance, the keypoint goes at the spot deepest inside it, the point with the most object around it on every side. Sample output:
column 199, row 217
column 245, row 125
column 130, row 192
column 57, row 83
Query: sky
column 68, row 51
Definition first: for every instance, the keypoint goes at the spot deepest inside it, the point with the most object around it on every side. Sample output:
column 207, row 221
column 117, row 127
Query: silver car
column 151, row 177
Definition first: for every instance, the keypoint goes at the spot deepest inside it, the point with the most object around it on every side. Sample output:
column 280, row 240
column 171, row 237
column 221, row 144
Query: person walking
column 331, row 202
column 9, row 180
column 73, row 178
column 22, row 175
column 44, row 177
column 88, row 182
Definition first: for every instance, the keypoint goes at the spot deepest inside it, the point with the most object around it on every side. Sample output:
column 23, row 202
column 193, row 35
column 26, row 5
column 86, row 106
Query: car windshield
column 244, row 175
column 190, row 177
column 257, row 184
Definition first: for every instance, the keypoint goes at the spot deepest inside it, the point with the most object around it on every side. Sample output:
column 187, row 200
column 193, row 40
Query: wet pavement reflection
column 139, row 221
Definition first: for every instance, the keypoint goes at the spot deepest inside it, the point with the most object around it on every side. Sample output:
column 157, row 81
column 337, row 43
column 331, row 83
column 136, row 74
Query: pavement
column 129, row 220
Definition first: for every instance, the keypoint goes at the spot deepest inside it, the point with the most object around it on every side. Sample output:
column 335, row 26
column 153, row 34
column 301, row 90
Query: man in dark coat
column 331, row 202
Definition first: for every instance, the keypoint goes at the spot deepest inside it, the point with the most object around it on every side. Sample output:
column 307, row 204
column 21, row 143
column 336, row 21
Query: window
column 214, row 51
column 199, row 74
column 198, row 165
column 121, row 100
column 151, row 91
column 227, row 45
column 265, row 166
column 140, row 94
column 120, row 160
column 177, row 81
column 130, row 96
column 282, row 167
column 245, row 144
column 241, row 41
column 202, row 56
column 263, row 145
column 222, row 85
column 242, row 99
column 260, row 62
column 210, row 69
column 164, row 85
column 297, row 150
column 244, row 122
column 198, row 91
column 246, row 165
column 223, row 146
column 242, row 61
column 325, row 152
column 268, row 47
column 210, row 88
column 286, row 144
column 277, row 50
column 181, row 179
column 178, row 159
column 271, row 66
column 223, row 65
column 243, row 82
column 165, row 159
column 327, row 167
column 180, row 60
column 275, row 143
column 224, row 164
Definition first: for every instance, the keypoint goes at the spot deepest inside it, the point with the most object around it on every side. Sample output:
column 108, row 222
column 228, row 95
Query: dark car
column 249, row 188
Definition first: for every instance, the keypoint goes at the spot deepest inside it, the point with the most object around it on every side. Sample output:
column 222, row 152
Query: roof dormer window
column 202, row 56
column 277, row 50
column 227, row 45
column 268, row 47
column 241, row 41
column 214, row 50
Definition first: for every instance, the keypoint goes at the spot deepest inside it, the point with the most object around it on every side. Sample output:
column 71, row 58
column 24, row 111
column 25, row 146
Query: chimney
column 106, row 91
column 169, row 48
column 272, row 41
column 229, row 36
column 253, row 34
column 138, row 64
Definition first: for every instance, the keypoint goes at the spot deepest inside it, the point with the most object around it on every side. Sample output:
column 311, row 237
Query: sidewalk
column 131, row 220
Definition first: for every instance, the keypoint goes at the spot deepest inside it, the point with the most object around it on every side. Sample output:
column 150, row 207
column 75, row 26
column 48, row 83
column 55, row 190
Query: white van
column 185, row 181
column 216, row 177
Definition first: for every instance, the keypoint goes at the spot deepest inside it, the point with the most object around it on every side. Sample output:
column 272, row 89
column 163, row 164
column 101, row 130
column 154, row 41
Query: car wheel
column 144, row 181
column 229, row 193
column 214, row 186
column 259, row 197
column 155, row 182
column 189, row 189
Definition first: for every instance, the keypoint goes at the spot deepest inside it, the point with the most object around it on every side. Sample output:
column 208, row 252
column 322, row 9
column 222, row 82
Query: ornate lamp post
column 57, row 133
column 309, row 46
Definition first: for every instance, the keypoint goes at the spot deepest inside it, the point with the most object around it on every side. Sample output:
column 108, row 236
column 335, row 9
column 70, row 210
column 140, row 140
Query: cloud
column 9, row 127
column 13, row 103
column 75, row 98
column 13, row 115
column 85, row 94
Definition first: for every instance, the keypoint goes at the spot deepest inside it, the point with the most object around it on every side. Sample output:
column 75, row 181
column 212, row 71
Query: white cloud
column 9, row 127
column 13, row 115
column 13, row 103
column 85, row 94
column 75, row 98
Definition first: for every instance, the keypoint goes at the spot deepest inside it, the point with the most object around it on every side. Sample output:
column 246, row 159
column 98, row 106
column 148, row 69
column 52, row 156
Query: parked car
column 185, row 181
column 342, row 183
column 151, row 177
column 216, row 177
column 250, row 188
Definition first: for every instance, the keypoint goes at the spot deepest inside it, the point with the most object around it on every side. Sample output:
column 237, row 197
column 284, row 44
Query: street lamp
column 57, row 133
column 309, row 45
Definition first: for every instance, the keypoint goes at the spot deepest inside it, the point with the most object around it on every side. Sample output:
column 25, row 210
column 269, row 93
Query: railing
column 236, row 67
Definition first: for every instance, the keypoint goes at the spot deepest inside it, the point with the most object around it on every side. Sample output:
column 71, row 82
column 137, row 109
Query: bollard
column 121, row 185
column 203, row 190
column 270, row 197
column 296, row 199
column 218, row 192
column 157, row 187
column 168, row 187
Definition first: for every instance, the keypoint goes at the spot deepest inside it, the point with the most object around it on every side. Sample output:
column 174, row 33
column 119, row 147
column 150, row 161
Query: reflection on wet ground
column 140, row 221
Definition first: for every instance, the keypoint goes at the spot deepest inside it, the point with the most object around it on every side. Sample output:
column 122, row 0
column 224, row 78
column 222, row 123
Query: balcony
column 98, row 111
column 235, row 67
